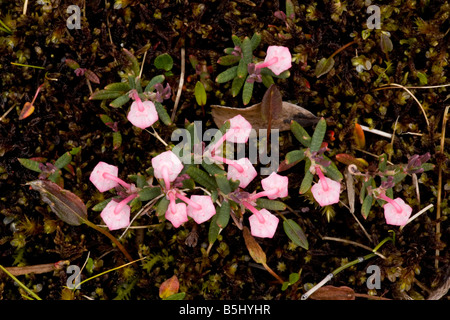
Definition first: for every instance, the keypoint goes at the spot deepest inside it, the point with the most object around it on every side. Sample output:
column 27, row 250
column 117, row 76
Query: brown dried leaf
column 333, row 293
column 255, row 250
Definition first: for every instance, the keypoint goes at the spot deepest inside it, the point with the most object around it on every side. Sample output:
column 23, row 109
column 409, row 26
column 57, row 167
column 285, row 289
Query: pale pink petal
column 116, row 221
column 100, row 182
column 180, row 215
column 239, row 130
column 145, row 118
column 395, row 218
column 284, row 59
column 244, row 177
column 275, row 181
column 205, row 213
column 169, row 160
column 325, row 198
column 266, row 229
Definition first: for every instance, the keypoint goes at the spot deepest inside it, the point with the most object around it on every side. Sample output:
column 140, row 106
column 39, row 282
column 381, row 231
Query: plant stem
column 34, row 295
column 342, row 48
column 273, row 273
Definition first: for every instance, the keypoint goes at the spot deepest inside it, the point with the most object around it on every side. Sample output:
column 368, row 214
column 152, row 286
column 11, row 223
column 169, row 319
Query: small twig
column 180, row 85
column 89, row 86
column 439, row 194
column 6, row 113
column 378, row 132
column 157, row 136
column 392, row 139
column 417, row 214
column 25, row 6
column 359, row 223
column 354, row 243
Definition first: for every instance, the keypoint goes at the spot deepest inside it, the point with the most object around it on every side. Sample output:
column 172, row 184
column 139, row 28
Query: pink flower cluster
column 167, row 167
column 262, row 222
column 116, row 215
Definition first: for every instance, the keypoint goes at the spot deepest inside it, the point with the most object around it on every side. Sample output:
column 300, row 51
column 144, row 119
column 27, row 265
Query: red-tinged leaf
column 358, row 136
column 91, row 76
column 169, row 287
column 271, row 104
column 333, row 293
column 72, row 64
column 347, row 159
column 27, row 110
column 255, row 250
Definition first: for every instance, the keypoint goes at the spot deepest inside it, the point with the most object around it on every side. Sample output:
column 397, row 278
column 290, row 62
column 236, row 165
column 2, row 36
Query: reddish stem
column 124, row 203
column 165, row 174
column 391, row 201
column 232, row 163
column 322, row 179
column 193, row 204
column 254, row 211
column 266, row 193
column 266, row 63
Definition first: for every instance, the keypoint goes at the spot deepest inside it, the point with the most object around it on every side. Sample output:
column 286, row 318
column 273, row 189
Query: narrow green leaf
column 295, row 156
column 66, row 205
column 223, row 214
column 295, row 233
column 117, row 140
column 242, row 69
column 149, row 193
column 118, row 86
column 155, row 80
column 213, row 168
column 134, row 63
column 366, row 206
column 398, row 177
column 162, row 206
column 223, row 183
column 202, row 178
column 382, row 162
column 214, row 230
column 200, row 93
column 176, row 296
column 105, row 95
column 267, row 80
column 63, row 161
column 270, row 204
column 236, row 40
column 306, row 182
column 236, row 86
column 247, row 92
column 290, row 13
column 120, row 101
column 30, row 164
column 100, row 206
column 318, row 135
column 332, row 171
column 106, row 119
column 92, row 76
column 227, row 75
column 323, row 66
column 228, row 60
column 300, row 134
column 162, row 113
column 247, row 51
column 255, row 40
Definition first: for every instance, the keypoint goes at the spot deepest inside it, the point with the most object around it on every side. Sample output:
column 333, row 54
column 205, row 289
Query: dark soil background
column 64, row 118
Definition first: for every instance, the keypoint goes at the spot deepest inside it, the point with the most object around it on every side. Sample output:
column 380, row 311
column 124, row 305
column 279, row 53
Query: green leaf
column 255, row 40
column 318, row 135
column 155, row 80
column 247, row 51
column 118, row 86
column 242, row 69
column 270, row 204
column 63, row 161
column 267, row 80
column 295, row 156
column 100, row 206
column 382, row 162
column 247, row 92
column 300, row 134
column 214, row 230
column 105, row 95
column 200, row 93
column 71, row 63
column 332, row 171
column 202, row 178
column 66, row 205
column 295, row 233
column 290, row 13
column 106, row 119
column 236, row 86
column 399, row 176
column 422, row 78
column 162, row 206
column 306, row 182
column 427, row 166
column 227, row 75
column 30, row 164
column 162, row 113
column 164, row 62
column 223, row 214
column 366, row 206
column 223, row 183
column 91, row 76
column 117, row 140
column 149, row 193
column 176, row 296
column 120, row 101
column 236, row 40
column 134, row 63
column 228, row 60
column 323, row 66
column 213, row 169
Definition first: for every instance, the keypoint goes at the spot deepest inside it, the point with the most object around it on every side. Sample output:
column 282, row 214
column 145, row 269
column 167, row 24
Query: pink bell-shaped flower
column 263, row 228
column 278, row 59
column 275, row 186
column 142, row 114
column 178, row 217
column 104, row 177
column 167, row 166
column 239, row 130
column 326, row 191
column 396, row 211
column 116, row 220
column 244, row 172
column 200, row 208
